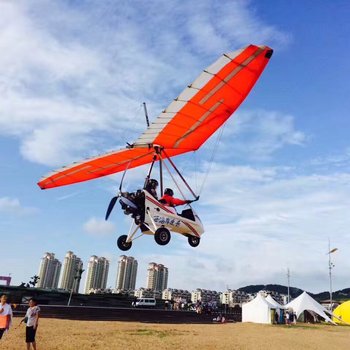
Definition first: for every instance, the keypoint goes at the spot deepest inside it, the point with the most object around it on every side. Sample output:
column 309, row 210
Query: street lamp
column 77, row 277
column 288, row 278
column 330, row 267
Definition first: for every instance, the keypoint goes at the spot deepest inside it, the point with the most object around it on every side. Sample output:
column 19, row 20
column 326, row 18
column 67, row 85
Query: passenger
column 170, row 201
column 151, row 187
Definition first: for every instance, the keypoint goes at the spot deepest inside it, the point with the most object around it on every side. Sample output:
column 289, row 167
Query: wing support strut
column 178, row 172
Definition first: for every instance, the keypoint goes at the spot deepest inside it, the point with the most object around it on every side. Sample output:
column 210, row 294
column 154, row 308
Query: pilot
column 170, row 201
column 151, row 187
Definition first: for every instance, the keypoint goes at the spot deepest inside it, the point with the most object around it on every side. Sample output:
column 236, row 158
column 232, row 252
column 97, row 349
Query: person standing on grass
column 32, row 318
column 287, row 316
column 5, row 315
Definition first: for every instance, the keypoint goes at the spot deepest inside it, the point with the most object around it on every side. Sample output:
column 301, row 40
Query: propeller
column 111, row 206
column 115, row 198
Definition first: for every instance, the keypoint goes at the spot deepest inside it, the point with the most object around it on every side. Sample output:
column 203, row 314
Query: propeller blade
column 111, row 206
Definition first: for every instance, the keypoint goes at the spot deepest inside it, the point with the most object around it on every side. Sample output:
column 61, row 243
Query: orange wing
column 208, row 102
column 187, row 122
column 106, row 164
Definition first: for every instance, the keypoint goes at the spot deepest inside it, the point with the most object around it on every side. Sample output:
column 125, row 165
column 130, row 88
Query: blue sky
column 73, row 78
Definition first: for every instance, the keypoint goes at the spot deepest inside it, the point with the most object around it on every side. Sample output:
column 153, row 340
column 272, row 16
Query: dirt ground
column 103, row 335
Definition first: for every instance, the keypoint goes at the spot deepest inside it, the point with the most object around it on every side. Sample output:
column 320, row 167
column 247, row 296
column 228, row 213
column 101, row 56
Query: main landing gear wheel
column 193, row 241
column 162, row 236
column 122, row 244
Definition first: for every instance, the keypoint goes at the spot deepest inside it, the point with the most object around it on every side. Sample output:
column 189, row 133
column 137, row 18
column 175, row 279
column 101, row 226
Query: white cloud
column 339, row 160
column 73, row 80
column 259, row 222
column 74, row 77
column 13, row 206
column 257, row 134
column 238, row 24
column 99, row 227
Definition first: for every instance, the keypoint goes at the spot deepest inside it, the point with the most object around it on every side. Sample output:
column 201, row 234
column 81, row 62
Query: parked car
column 145, row 302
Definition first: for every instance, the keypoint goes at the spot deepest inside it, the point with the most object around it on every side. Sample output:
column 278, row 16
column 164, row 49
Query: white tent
column 258, row 310
column 274, row 302
column 305, row 302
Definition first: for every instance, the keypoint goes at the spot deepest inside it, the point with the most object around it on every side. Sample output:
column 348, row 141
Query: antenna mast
column 146, row 114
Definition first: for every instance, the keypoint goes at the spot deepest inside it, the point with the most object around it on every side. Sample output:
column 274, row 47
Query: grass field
column 81, row 335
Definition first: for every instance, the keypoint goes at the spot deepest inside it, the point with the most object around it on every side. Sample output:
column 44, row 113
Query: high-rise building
column 72, row 265
column 49, row 271
column 157, row 277
column 126, row 274
column 97, row 273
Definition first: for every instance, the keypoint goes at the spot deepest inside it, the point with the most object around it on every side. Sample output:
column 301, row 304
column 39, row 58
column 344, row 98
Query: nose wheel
column 162, row 236
column 123, row 244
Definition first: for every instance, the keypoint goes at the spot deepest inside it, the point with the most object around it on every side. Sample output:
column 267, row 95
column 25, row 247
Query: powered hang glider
column 202, row 108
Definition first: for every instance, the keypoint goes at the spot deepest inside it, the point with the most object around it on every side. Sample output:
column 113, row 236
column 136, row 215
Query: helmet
column 169, row 191
column 153, row 183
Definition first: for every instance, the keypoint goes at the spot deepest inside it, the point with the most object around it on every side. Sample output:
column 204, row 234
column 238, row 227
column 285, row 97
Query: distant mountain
column 294, row 292
column 339, row 295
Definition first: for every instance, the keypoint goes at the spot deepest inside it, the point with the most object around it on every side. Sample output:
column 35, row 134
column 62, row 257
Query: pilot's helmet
column 169, row 192
column 153, row 183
